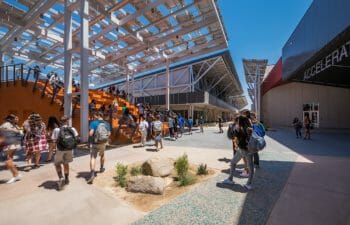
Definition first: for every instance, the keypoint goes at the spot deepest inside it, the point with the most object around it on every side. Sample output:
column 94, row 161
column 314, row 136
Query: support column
column 167, row 90
column 133, row 88
column 127, row 85
column 84, row 70
column 68, row 75
column 191, row 78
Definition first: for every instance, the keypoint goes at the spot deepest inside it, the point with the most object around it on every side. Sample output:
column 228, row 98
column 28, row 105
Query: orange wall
column 22, row 101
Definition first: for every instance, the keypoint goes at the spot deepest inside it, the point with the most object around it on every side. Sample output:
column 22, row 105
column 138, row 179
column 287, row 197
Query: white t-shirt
column 157, row 125
column 143, row 125
column 56, row 132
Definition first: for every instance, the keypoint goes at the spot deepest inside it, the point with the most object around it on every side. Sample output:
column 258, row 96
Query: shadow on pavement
column 234, row 187
column 51, row 185
column 151, row 149
column 84, row 175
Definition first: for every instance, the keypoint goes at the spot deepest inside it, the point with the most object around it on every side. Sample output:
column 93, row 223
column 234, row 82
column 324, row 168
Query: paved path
column 295, row 177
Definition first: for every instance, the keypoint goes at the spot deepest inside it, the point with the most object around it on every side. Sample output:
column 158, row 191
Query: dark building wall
column 323, row 21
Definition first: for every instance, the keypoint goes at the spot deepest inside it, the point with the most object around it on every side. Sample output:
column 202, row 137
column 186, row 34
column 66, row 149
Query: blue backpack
column 259, row 129
column 256, row 142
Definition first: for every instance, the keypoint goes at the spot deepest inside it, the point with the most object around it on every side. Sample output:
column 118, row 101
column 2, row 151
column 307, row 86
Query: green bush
column 187, row 180
column 136, row 170
column 182, row 166
column 202, row 169
column 121, row 171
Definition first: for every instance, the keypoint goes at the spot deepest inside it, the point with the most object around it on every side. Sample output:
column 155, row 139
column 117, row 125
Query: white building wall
column 281, row 104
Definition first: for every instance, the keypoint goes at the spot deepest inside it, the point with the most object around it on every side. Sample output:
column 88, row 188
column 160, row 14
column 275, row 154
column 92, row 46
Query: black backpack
column 66, row 139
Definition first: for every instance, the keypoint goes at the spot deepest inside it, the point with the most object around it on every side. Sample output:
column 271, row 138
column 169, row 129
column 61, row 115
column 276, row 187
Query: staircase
column 21, row 97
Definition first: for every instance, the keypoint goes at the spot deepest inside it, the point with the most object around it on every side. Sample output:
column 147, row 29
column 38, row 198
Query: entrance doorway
column 313, row 110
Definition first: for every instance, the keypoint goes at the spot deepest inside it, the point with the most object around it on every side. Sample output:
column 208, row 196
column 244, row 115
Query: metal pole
column 167, row 90
column 127, row 84
column 256, row 90
column 68, row 74
column 84, row 68
column 133, row 88
column 258, row 99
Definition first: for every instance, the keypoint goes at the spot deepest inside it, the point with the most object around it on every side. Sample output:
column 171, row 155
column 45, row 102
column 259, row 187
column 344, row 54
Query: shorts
column 98, row 148
column 64, row 157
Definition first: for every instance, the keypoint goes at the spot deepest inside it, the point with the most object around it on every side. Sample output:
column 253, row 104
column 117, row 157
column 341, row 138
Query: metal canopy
column 137, row 35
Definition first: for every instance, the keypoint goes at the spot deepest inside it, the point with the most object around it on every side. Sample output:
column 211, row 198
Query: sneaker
column 240, row 169
column 60, row 184
column 228, row 182
column 244, row 174
column 27, row 168
column 14, row 179
column 248, row 186
column 102, row 169
column 256, row 166
column 91, row 180
column 66, row 181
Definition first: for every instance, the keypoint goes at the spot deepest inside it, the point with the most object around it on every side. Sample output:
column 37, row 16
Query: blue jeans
column 236, row 158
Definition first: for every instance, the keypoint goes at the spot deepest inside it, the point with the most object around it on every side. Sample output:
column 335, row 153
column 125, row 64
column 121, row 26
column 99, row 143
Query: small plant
column 202, row 169
column 136, row 170
column 182, row 166
column 187, row 180
column 121, row 171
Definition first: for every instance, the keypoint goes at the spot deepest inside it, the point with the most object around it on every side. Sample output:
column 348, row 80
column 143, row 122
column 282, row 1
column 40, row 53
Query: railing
column 210, row 99
column 178, row 98
column 15, row 72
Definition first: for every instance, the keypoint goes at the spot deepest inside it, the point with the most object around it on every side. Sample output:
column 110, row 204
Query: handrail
column 44, row 89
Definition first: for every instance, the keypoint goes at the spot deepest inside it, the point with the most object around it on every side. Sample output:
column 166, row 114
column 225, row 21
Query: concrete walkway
column 295, row 177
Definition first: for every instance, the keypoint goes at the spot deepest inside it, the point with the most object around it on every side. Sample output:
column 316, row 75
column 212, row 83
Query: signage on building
column 331, row 59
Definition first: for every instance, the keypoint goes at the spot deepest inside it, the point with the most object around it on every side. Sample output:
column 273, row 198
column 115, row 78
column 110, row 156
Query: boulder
column 158, row 167
column 146, row 184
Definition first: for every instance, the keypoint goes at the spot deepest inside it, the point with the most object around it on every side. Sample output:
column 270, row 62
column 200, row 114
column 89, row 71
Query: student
column 190, row 124
column 100, row 131
column 242, row 131
column 52, row 124
column 11, row 139
column 35, row 140
column 143, row 126
column 65, row 138
column 157, row 128
column 307, row 125
column 201, row 122
column 259, row 128
column 297, row 126
column 171, row 125
column 220, row 125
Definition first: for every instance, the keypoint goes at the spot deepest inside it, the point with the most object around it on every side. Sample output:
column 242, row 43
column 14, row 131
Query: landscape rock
column 146, row 184
column 158, row 167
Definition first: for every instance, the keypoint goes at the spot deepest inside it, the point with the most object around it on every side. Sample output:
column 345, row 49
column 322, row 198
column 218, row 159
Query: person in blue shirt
column 190, row 124
column 181, row 121
column 99, row 133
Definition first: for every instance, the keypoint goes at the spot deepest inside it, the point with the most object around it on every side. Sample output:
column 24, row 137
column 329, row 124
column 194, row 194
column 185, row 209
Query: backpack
column 101, row 134
column 259, row 130
column 256, row 143
column 66, row 139
column 231, row 131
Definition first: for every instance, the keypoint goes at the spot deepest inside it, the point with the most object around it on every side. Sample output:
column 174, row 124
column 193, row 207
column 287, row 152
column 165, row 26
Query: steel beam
column 207, row 70
column 84, row 70
column 68, row 75
column 167, row 90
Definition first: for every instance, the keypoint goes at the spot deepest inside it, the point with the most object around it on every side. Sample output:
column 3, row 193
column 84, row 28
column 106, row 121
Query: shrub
column 121, row 171
column 202, row 169
column 187, row 180
column 136, row 170
column 182, row 166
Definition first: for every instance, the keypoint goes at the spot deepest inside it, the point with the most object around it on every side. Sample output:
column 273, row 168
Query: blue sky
column 259, row 28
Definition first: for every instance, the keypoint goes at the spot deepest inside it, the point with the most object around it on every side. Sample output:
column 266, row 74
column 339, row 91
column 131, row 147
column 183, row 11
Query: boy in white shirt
column 143, row 126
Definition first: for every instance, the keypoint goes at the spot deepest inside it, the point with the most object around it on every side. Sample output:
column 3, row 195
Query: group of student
column 242, row 132
column 57, row 138
column 298, row 125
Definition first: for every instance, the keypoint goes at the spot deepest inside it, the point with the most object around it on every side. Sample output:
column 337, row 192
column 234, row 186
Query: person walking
column 242, row 131
column 100, row 131
column 11, row 137
column 297, row 127
column 220, row 125
column 143, row 126
column 158, row 128
column 201, row 122
column 35, row 140
column 190, row 124
column 66, row 139
column 52, row 124
column 307, row 125
column 171, row 125
column 259, row 128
